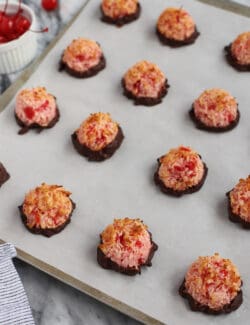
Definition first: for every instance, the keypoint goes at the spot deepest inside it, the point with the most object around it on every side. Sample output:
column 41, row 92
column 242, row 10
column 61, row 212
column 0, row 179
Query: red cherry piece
column 80, row 57
column 29, row 112
column 190, row 165
column 43, row 106
column 49, row 4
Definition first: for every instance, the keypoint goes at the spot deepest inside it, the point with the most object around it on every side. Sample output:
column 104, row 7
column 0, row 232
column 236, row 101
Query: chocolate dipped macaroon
column 180, row 171
column 176, row 27
column 120, row 12
column 238, row 52
column 47, row 209
column 35, row 108
column 98, row 137
column 126, row 246
column 145, row 83
column 212, row 285
column 215, row 110
column 239, row 203
column 83, row 58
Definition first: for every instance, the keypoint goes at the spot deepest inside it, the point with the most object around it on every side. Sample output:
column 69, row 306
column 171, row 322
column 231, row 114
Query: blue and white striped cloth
column 14, row 305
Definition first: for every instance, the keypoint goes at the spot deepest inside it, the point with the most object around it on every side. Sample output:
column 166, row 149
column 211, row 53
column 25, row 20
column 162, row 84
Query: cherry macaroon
column 215, row 110
column 36, row 108
column 212, row 285
column 12, row 26
column 145, row 83
column 50, row 5
column 180, row 171
column 239, row 203
column 83, row 58
column 120, row 12
column 47, row 209
column 176, row 27
column 4, row 175
column 238, row 52
column 98, row 137
column 126, row 246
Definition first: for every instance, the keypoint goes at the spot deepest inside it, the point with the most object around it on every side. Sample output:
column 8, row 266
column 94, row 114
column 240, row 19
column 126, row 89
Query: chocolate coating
column 176, row 43
column 49, row 231
column 123, row 20
column 102, row 154
column 234, row 217
column 25, row 128
column 4, row 175
column 107, row 263
column 146, row 101
column 200, row 125
column 233, row 61
column 85, row 74
column 196, row 306
column 170, row 191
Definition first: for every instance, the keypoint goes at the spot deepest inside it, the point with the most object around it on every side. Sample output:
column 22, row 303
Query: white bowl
column 18, row 53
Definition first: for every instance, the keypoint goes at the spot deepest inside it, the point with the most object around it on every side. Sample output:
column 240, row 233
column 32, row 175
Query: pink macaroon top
column 181, row 168
column 97, row 131
column 240, row 48
column 216, row 108
column 240, row 199
column 82, row 54
column 116, row 9
column 126, row 242
column 144, row 79
column 35, row 106
column 47, row 206
column 213, row 281
column 176, row 24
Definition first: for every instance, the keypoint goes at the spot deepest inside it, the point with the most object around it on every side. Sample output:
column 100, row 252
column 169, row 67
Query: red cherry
column 6, row 25
column 13, row 26
column 21, row 24
column 49, row 4
column 3, row 39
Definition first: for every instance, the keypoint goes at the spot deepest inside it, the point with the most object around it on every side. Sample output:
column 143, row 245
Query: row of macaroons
column 175, row 27
column 180, row 171
column 212, row 284
column 215, row 110
column 144, row 82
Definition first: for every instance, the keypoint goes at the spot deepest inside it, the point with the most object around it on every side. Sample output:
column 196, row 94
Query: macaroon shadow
column 175, row 288
column 222, row 208
column 97, row 14
column 152, row 169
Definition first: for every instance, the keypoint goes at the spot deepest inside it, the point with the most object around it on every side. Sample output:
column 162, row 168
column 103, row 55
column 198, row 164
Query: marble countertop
column 53, row 302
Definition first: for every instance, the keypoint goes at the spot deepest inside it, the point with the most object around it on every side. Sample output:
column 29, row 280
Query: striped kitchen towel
column 14, row 305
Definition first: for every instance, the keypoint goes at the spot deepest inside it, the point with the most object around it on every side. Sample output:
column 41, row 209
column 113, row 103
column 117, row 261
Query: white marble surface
column 53, row 302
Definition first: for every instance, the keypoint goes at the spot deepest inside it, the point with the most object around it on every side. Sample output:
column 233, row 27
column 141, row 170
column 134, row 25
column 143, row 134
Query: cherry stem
column 6, row 6
column 19, row 8
column 45, row 30
column 19, row 5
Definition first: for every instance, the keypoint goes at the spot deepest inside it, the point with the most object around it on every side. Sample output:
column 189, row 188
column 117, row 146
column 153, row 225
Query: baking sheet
column 183, row 228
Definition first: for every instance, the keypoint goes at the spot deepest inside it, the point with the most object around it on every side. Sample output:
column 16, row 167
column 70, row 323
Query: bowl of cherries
column 18, row 44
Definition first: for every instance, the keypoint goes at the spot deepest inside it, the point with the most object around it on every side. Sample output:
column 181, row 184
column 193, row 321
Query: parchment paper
column 184, row 228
